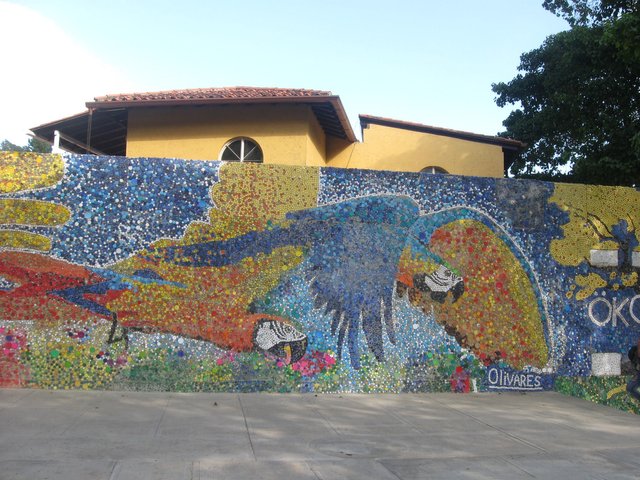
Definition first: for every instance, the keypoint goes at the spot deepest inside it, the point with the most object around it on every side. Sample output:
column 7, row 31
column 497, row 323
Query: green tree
column 578, row 97
column 33, row 145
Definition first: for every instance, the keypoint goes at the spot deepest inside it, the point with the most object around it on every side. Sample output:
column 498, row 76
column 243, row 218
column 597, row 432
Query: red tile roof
column 418, row 127
column 225, row 93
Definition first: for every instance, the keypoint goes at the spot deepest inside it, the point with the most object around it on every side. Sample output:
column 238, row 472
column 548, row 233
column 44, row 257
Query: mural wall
column 159, row 274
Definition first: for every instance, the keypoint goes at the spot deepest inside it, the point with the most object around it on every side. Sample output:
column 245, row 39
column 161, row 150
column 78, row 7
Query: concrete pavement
column 132, row 435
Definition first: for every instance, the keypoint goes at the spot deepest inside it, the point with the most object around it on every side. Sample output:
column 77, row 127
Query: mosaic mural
column 164, row 274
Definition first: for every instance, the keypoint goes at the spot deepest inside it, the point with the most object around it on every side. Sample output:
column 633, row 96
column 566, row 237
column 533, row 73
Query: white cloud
column 47, row 75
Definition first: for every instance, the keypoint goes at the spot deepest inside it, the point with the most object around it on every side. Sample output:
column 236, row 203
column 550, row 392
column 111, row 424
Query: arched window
column 434, row 170
column 241, row 150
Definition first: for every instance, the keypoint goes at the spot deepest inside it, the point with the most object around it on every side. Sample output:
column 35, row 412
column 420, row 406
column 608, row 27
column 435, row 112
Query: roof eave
column 344, row 119
column 507, row 143
column 108, row 134
column 77, row 116
column 334, row 100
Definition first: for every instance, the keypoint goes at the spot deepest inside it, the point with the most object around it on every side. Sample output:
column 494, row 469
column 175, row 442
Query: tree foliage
column 589, row 12
column 578, row 97
column 33, row 145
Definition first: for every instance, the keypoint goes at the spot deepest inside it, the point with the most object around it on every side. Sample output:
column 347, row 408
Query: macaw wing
column 351, row 264
column 500, row 316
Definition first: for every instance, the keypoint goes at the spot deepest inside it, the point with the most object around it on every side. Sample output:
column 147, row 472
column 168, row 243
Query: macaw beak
column 289, row 352
column 281, row 340
column 457, row 290
column 439, row 288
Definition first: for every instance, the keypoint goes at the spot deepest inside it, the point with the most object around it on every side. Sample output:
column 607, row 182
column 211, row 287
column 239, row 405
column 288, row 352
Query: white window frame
column 243, row 141
column 434, row 170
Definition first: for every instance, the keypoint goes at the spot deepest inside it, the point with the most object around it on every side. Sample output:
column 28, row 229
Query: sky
column 430, row 61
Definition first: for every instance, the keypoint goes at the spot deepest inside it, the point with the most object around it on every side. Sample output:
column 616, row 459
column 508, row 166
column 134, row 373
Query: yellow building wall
column 388, row 148
column 291, row 135
column 316, row 143
column 287, row 134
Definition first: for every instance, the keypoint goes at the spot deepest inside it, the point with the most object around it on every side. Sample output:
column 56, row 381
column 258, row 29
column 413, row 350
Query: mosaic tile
column 167, row 274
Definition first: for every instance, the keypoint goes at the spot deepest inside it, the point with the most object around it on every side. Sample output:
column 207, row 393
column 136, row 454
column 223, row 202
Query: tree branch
column 584, row 215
